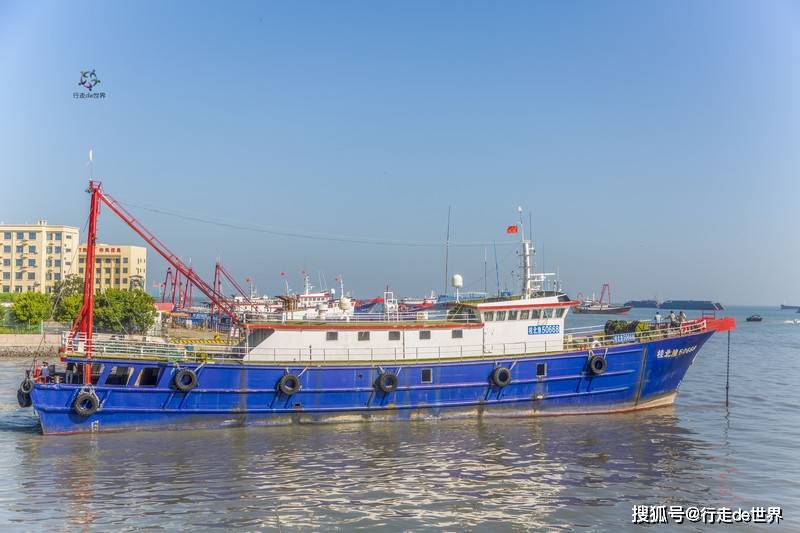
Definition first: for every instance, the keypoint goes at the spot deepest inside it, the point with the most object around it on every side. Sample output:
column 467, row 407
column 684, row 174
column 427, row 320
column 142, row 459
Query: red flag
column 512, row 229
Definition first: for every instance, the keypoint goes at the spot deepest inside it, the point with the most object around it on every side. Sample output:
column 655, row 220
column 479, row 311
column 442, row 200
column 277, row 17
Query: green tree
column 70, row 285
column 31, row 308
column 68, row 307
column 121, row 311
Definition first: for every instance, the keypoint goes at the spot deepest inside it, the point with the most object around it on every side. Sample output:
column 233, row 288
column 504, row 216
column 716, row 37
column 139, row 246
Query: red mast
column 85, row 321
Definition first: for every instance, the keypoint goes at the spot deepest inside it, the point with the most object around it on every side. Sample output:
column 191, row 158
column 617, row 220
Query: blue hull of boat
column 637, row 376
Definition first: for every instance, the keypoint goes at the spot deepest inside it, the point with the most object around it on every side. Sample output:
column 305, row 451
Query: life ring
column 597, row 364
column 596, row 344
column 387, row 382
column 26, row 386
column 86, row 403
column 23, row 398
column 289, row 384
column 501, row 376
column 184, row 380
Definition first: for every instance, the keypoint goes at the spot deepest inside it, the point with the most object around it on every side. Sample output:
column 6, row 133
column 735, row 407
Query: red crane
column 85, row 319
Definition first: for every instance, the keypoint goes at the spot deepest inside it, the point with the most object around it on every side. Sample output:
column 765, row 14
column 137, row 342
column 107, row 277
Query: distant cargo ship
column 699, row 305
column 790, row 307
column 645, row 304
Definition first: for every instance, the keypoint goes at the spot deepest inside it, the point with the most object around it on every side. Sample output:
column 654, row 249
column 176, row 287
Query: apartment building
column 117, row 266
column 34, row 257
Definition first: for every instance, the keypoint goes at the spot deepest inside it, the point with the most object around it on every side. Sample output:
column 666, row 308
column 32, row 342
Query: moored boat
column 505, row 356
column 754, row 318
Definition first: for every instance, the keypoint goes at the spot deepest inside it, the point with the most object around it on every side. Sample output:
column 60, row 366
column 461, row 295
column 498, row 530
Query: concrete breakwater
column 17, row 344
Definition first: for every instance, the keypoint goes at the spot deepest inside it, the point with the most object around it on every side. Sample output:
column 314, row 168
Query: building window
column 18, row 288
column 424, row 335
column 7, row 249
column 58, row 249
column 98, row 270
column 125, row 260
column 332, row 336
column 394, row 335
column 17, row 275
column 488, row 316
column 108, row 281
column 49, row 249
column 116, row 271
column 6, row 275
column 69, row 236
column 6, row 288
column 124, row 270
column 541, row 369
column 57, row 276
column 20, row 235
column 512, row 315
column 32, row 249
column 116, row 281
column 124, row 280
column 58, row 263
column 19, row 248
column 524, row 314
column 108, row 271
column 80, row 271
column 58, row 236
column 6, row 262
column 116, row 260
column 81, row 260
column 108, row 260
column 501, row 315
column 18, row 262
column 48, row 276
column 49, row 235
column 31, row 275
column 31, row 262
column 363, row 335
column 7, row 235
column 427, row 375
column 458, row 334
column 97, row 261
column 31, row 235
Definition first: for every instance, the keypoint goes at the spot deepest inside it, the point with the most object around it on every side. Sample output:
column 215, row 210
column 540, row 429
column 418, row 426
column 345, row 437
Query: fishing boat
column 599, row 307
column 496, row 356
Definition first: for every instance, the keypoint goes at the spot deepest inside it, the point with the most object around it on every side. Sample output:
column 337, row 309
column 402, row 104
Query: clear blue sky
column 656, row 143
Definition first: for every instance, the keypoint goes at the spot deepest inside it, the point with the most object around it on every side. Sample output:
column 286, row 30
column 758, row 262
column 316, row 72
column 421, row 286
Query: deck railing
column 574, row 339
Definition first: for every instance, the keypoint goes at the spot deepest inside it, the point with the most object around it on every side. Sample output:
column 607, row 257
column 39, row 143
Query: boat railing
column 438, row 315
column 576, row 339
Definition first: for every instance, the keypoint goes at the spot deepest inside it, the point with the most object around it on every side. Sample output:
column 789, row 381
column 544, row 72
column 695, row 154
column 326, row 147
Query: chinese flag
column 512, row 229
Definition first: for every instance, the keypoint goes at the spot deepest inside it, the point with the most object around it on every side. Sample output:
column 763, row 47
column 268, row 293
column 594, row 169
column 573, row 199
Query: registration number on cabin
column 548, row 329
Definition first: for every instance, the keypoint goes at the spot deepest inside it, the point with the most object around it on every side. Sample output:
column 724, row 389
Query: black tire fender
column 26, row 386
column 501, row 376
column 86, row 403
column 289, row 384
column 184, row 380
column 387, row 382
column 597, row 365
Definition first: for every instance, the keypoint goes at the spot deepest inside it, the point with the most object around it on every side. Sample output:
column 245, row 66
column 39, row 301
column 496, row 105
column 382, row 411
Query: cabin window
column 331, row 335
column 424, row 335
column 97, row 369
column 559, row 312
column 488, row 316
column 536, row 313
column 119, row 375
column 427, row 375
column 458, row 333
column 524, row 314
column 541, row 370
column 394, row 335
column 501, row 315
column 148, row 377
column 363, row 335
column 512, row 315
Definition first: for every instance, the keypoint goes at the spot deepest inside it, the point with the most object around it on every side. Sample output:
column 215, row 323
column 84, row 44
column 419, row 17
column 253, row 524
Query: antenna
column 496, row 268
column 447, row 250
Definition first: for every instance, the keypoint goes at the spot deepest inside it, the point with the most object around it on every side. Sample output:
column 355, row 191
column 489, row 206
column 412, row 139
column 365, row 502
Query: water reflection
column 454, row 474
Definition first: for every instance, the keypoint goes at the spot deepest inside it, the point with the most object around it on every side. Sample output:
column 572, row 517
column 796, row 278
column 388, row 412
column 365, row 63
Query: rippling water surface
column 516, row 474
